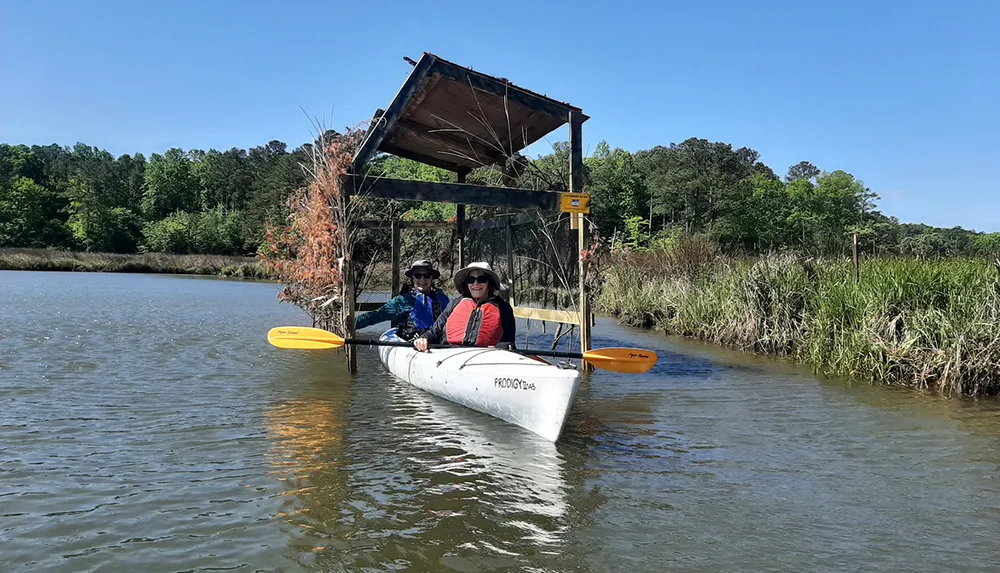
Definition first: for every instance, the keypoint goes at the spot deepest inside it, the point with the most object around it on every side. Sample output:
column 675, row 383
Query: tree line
column 221, row 202
column 729, row 195
column 85, row 198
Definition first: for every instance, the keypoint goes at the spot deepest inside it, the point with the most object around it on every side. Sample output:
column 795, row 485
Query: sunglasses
column 481, row 279
column 423, row 275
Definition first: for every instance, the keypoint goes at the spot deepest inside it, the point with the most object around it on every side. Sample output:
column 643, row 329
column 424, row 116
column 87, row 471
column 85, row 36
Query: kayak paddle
column 627, row 360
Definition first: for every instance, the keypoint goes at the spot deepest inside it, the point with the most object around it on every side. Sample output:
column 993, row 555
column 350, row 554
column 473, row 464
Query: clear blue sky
column 903, row 94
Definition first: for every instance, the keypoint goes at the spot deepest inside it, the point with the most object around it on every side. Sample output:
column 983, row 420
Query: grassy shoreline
column 56, row 260
column 926, row 324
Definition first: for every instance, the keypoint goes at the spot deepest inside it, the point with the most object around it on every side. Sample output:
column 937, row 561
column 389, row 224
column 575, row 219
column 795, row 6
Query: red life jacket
column 472, row 324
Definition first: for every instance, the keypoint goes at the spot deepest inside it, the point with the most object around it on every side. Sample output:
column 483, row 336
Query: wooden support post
column 510, row 261
column 576, row 186
column 352, row 356
column 460, row 222
column 857, row 264
column 585, row 318
column 460, row 216
column 395, row 259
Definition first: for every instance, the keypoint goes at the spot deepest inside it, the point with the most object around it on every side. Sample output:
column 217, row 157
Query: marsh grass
column 55, row 260
column 929, row 324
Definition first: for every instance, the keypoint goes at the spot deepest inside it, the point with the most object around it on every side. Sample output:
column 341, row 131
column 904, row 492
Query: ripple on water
column 427, row 484
column 154, row 429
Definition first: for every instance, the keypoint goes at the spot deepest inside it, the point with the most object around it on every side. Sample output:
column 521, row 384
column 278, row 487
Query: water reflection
column 519, row 475
column 381, row 474
column 308, row 437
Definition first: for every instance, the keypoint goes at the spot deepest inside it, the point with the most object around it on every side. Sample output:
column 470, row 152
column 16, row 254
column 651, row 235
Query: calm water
column 146, row 424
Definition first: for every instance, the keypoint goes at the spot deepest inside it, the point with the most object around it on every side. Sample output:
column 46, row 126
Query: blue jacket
column 411, row 311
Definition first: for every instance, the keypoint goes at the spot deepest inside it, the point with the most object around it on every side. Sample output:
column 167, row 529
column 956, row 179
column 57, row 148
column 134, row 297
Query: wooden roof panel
column 453, row 117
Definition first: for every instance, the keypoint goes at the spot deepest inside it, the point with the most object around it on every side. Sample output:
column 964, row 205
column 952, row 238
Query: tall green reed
column 930, row 324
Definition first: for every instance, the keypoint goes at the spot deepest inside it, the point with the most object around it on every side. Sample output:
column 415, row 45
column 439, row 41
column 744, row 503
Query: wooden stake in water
column 576, row 186
column 352, row 353
column 857, row 265
column 394, row 288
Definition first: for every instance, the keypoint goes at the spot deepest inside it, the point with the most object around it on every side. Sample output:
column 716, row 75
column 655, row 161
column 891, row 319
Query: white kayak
column 528, row 392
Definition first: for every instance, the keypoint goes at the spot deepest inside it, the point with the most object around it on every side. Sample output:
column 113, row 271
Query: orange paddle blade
column 303, row 338
column 627, row 360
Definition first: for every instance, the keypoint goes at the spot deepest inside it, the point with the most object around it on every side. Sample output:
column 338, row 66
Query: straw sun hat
column 482, row 266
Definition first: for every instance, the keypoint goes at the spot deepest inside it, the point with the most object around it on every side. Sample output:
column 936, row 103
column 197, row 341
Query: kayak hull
column 524, row 391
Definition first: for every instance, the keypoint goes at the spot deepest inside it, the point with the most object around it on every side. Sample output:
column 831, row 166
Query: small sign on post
column 575, row 203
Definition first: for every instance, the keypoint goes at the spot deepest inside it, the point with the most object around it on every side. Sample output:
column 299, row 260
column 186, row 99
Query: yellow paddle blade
column 303, row 338
column 627, row 360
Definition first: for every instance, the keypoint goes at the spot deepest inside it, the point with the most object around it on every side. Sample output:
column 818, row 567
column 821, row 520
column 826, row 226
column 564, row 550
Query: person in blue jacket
column 417, row 306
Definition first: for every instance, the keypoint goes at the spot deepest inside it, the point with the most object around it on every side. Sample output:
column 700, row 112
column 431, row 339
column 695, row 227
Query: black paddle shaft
column 368, row 342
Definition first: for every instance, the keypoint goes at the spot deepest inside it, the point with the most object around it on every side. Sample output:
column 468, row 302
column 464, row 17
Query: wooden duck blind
column 452, row 117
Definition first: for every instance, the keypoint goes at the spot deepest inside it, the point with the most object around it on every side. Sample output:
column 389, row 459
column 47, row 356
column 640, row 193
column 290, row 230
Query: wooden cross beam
column 458, row 193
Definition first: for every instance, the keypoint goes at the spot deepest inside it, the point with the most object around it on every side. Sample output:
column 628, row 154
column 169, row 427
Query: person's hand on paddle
column 420, row 344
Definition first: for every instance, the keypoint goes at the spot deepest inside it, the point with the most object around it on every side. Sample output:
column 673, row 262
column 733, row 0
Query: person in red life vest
column 479, row 317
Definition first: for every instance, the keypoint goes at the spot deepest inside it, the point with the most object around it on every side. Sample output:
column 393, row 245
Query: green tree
column 276, row 173
column 225, row 179
column 171, row 234
column 29, row 210
column 636, row 232
column 760, row 221
column 803, row 170
column 840, row 202
column 85, row 213
column 24, row 218
column 130, row 175
column 20, row 161
column 170, row 185
column 617, row 187
column 399, row 168
column 100, row 196
column 802, row 219
column 696, row 182
column 118, row 230
column 987, row 244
